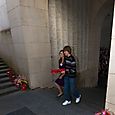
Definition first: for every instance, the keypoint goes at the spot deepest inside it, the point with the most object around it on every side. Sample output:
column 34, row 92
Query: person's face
column 66, row 53
column 61, row 54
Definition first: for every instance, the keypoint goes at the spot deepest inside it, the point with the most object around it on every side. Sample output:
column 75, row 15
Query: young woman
column 60, row 80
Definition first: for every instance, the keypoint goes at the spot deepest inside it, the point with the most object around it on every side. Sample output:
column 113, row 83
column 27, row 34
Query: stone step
column 1, row 60
column 4, row 70
column 2, row 63
column 8, row 90
column 6, row 85
column 4, row 67
column 3, row 75
column 4, row 79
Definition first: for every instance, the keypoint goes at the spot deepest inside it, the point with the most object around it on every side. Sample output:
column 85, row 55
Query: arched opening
column 105, row 43
column 103, row 30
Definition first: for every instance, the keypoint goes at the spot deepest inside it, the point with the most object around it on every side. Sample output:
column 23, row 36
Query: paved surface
column 45, row 102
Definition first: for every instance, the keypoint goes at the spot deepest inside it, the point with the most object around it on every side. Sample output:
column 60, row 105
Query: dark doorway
column 105, row 44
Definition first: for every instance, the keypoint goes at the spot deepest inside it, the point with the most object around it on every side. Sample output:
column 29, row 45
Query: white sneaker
column 66, row 102
column 78, row 99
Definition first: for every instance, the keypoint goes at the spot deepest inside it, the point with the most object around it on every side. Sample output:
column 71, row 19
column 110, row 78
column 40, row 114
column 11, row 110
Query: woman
column 60, row 80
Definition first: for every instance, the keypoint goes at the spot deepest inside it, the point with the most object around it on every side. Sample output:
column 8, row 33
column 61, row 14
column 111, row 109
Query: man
column 69, row 78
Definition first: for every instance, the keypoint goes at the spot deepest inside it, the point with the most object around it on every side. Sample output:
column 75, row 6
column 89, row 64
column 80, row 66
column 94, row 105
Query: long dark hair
column 60, row 51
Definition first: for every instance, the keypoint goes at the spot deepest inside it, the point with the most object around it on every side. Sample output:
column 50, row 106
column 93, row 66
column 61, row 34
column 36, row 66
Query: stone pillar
column 65, row 22
column 53, row 33
column 110, row 97
column 81, row 25
column 34, row 15
column 59, row 23
column 70, row 22
column 29, row 25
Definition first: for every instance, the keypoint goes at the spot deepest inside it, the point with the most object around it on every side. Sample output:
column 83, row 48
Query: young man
column 69, row 78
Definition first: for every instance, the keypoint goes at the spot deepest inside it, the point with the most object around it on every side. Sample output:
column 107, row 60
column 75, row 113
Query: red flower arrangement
column 105, row 112
column 17, row 80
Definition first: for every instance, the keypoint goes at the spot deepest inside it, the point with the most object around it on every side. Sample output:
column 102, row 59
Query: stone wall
column 76, row 23
column 7, row 49
column 4, row 22
column 6, row 41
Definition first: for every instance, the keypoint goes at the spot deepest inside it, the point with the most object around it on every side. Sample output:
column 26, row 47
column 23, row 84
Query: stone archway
column 77, row 23
column 97, row 22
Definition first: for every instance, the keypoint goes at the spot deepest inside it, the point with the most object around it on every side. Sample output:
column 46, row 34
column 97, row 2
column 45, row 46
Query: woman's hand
column 63, row 72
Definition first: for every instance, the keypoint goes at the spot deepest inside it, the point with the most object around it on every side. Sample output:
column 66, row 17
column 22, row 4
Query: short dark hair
column 67, row 48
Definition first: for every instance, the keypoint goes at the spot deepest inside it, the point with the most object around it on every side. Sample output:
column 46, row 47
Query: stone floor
column 45, row 102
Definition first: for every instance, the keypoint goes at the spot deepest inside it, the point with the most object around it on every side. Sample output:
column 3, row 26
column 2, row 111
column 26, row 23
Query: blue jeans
column 70, row 88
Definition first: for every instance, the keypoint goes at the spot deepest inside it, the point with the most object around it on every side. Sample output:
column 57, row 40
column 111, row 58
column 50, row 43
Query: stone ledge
column 5, row 30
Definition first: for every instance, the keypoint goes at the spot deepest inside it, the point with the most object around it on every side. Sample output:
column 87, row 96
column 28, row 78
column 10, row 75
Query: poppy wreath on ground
column 105, row 112
column 21, row 83
column 17, row 80
column 24, row 84
column 24, row 87
column 55, row 71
